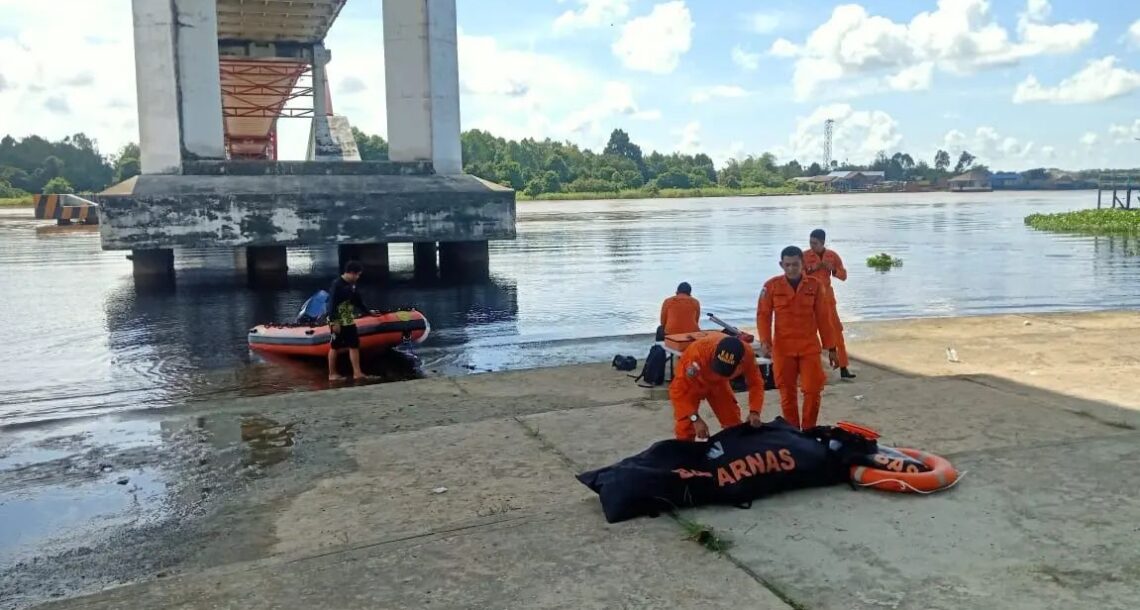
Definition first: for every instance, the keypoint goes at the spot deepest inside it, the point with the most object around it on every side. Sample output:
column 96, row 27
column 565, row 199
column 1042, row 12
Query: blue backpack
column 314, row 311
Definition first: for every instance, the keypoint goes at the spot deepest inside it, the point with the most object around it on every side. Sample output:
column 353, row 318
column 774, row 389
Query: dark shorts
column 346, row 338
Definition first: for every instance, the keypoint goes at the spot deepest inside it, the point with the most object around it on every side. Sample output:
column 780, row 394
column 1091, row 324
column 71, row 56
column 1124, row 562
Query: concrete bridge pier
column 424, row 259
column 155, row 264
column 266, row 260
column 464, row 260
column 374, row 257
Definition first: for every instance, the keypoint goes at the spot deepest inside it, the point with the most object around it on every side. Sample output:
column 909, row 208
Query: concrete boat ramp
column 460, row 493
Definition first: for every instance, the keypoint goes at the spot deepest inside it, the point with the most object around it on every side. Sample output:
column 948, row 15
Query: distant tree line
column 535, row 167
column 73, row 164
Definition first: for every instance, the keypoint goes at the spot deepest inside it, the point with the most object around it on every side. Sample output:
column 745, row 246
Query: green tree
column 126, row 163
column 965, row 160
column 58, row 186
column 941, row 160
column 371, row 147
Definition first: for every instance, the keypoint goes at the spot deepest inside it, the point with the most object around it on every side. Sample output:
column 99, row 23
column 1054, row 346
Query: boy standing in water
column 798, row 304
column 344, row 300
column 824, row 264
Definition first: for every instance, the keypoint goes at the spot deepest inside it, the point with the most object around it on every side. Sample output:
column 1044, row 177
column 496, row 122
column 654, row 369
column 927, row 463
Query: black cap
column 727, row 356
column 684, row 288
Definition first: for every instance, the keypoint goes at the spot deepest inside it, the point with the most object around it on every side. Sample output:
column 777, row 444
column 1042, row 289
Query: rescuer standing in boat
column 681, row 313
column 798, row 302
column 707, row 366
column 344, row 301
column 824, row 264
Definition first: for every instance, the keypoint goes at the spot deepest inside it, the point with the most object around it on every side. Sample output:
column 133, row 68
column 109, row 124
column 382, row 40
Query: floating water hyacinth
column 1089, row 222
column 883, row 261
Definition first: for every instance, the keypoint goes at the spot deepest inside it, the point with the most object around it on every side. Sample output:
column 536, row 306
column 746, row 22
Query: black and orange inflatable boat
column 377, row 331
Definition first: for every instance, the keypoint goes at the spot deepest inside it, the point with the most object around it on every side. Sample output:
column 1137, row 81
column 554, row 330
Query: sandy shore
column 325, row 499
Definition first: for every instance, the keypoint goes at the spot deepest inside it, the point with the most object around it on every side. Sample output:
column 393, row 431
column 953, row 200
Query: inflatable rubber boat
column 310, row 334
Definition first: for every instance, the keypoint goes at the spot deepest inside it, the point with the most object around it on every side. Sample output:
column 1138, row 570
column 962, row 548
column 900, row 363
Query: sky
column 1018, row 83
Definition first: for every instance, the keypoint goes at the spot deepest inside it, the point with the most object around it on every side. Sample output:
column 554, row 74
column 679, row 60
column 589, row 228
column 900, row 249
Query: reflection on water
column 580, row 274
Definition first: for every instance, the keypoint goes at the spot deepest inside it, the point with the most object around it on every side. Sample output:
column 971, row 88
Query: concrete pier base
column 464, row 259
column 374, row 257
column 424, row 257
column 266, row 260
column 153, row 264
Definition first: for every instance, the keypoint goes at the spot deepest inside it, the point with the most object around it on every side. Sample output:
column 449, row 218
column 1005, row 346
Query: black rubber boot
column 846, row 374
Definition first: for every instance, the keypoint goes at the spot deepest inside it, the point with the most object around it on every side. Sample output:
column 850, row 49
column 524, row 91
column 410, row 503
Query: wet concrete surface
column 333, row 499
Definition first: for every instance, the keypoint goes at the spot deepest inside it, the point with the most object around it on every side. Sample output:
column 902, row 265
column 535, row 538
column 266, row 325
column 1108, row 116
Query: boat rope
column 912, row 488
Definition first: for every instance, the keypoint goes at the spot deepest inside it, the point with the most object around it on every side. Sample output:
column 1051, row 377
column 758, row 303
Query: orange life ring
column 942, row 474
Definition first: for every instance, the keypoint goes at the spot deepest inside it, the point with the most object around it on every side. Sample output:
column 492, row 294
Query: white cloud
column 50, row 64
column 1098, row 81
column 592, row 14
column 690, row 138
column 1038, row 10
column 1134, row 33
column 520, row 94
column 730, row 91
column 616, row 101
column 745, row 59
column 858, row 135
column 1089, row 139
column 655, row 43
column 1125, row 133
column 914, row 78
column 735, row 150
column 764, row 23
column 959, row 36
column 997, row 150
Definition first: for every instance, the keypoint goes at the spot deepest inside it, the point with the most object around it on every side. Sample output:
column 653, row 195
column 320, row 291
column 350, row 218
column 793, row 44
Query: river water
column 584, row 280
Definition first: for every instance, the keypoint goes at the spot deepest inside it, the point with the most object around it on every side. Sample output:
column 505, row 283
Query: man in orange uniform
column 707, row 366
column 823, row 264
column 799, row 304
column 681, row 313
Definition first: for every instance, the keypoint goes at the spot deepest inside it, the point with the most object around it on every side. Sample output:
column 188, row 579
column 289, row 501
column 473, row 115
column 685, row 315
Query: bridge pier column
column 152, row 264
column 422, row 84
column 466, row 260
column 178, row 82
column 266, row 260
column 424, row 259
column 374, row 257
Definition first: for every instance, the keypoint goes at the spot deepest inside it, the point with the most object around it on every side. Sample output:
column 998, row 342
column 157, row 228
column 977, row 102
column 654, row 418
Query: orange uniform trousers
column 840, row 344
column 807, row 370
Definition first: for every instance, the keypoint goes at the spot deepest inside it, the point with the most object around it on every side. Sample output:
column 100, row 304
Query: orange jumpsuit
column 696, row 380
column 802, row 318
column 681, row 314
column 813, row 266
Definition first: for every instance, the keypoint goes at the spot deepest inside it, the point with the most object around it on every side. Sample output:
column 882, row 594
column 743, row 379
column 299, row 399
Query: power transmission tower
column 828, row 127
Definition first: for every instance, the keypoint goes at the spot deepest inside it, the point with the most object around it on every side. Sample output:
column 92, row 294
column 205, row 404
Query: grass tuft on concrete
column 703, row 535
column 1088, row 222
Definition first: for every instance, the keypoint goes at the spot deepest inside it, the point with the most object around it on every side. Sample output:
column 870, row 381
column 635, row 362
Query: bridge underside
column 215, row 76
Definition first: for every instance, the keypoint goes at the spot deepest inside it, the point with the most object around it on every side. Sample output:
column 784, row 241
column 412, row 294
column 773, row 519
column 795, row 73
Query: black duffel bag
column 734, row 467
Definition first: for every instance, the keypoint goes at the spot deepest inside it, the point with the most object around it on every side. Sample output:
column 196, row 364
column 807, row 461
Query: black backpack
column 653, row 373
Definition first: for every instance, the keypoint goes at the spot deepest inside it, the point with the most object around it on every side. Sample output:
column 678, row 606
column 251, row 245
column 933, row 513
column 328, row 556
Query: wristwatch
column 694, row 417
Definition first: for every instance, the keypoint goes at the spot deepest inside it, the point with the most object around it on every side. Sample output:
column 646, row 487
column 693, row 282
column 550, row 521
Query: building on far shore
column 972, row 181
column 846, row 180
column 1007, row 180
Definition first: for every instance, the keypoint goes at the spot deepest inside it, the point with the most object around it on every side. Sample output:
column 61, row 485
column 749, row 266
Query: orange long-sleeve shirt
column 813, row 266
column 695, row 375
column 681, row 314
column 802, row 316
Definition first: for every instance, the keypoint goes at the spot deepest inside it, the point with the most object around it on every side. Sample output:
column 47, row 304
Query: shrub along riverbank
column 1088, row 222
column 712, row 191
column 14, row 202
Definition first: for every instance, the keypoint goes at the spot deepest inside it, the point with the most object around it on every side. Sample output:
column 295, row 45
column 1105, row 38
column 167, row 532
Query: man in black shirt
column 344, row 300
